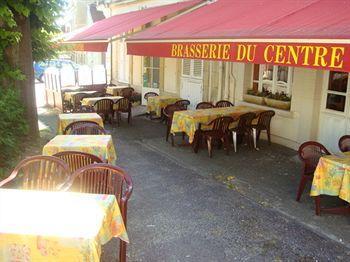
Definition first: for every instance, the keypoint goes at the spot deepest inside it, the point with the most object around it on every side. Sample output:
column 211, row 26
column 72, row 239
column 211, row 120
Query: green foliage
column 42, row 15
column 12, row 128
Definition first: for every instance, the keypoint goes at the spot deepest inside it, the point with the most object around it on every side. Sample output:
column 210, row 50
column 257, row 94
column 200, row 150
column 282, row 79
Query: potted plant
column 254, row 96
column 278, row 100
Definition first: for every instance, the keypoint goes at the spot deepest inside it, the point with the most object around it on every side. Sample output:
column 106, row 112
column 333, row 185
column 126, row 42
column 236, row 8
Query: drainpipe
column 210, row 77
column 227, row 76
column 234, row 82
column 220, row 82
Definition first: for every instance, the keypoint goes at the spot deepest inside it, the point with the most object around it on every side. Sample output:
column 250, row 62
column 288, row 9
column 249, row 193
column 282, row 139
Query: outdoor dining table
column 115, row 90
column 69, row 96
column 332, row 177
column 188, row 121
column 99, row 145
column 65, row 119
column 157, row 103
column 90, row 101
column 57, row 226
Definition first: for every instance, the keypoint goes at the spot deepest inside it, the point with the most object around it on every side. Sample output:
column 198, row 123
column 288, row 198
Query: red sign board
column 335, row 57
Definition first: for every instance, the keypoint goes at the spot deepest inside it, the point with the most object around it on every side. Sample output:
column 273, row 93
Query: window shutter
column 186, row 67
column 197, row 68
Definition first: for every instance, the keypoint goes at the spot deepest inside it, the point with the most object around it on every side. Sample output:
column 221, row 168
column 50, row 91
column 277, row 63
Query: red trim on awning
column 87, row 47
column 325, row 56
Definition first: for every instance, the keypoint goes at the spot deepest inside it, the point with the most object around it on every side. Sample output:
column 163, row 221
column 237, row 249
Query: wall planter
column 284, row 105
column 259, row 100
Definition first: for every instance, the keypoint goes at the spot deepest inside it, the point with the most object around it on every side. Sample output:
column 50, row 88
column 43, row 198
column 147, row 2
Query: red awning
column 308, row 33
column 105, row 29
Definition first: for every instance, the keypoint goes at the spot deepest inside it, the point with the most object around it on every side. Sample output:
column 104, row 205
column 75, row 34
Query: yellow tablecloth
column 157, row 103
column 99, row 145
column 90, row 101
column 332, row 177
column 69, row 95
column 57, row 226
column 65, row 119
column 189, row 120
column 115, row 90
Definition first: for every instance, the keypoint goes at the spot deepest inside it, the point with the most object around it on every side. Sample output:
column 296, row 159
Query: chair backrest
column 245, row 121
column 170, row 109
column 102, row 179
column 88, row 129
column 310, row 153
column 39, row 173
column 127, row 92
column 74, row 125
column 99, row 94
column 204, row 105
column 221, row 124
column 223, row 103
column 104, row 106
column 265, row 117
column 77, row 99
column 344, row 143
column 149, row 94
column 183, row 103
column 76, row 160
column 123, row 105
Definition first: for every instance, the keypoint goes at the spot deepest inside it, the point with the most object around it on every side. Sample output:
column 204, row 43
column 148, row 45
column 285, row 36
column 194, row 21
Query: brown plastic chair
column 84, row 128
column 76, row 160
column 123, row 105
column 219, row 131
column 127, row 92
column 149, row 94
column 38, row 173
column 168, row 113
column 104, row 179
column 223, row 103
column 264, row 123
column 309, row 153
column 183, row 103
column 77, row 98
column 104, row 108
column 344, row 143
column 204, row 105
column 243, row 128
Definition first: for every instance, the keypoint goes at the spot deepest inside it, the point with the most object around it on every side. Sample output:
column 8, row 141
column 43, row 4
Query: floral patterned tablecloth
column 189, row 120
column 68, row 96
column 157, row 103
column 57, row 226
column 99, row 145
column 332, row 177
column 115, row 90
column 65, row 119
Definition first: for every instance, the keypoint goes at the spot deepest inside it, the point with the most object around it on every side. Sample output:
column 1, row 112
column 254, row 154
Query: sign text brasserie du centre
column 334, row 57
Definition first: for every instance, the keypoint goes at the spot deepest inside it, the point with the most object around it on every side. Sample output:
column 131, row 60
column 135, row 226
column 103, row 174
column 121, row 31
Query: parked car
column 39, row 67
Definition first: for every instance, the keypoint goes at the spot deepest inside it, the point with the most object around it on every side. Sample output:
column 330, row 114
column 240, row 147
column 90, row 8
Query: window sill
column 279, row 112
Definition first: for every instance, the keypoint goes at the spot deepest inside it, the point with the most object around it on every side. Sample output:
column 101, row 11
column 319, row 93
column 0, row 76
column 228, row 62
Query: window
column 192, row 68
column 337, row 90
column 151, row 72
column 272, row 78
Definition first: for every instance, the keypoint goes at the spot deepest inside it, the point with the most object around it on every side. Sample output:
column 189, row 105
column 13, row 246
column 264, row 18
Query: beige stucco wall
column 290, row 128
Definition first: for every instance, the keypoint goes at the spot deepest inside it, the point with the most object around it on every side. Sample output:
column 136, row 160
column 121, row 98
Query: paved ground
column 187, row 207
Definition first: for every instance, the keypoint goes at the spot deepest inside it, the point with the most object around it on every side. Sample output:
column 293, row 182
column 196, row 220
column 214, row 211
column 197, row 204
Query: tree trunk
column 24, row 62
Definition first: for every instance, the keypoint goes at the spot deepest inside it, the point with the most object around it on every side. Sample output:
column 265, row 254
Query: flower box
column 284, row 105
column 259, row 100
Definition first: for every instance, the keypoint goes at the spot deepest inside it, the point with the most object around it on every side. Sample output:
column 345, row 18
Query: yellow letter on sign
column 173, row 49
column 241, row 52
column 337, row 57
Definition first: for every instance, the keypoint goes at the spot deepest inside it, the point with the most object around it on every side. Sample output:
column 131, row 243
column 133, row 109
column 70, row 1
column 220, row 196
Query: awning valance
column 102, row 31
column 310, row 33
